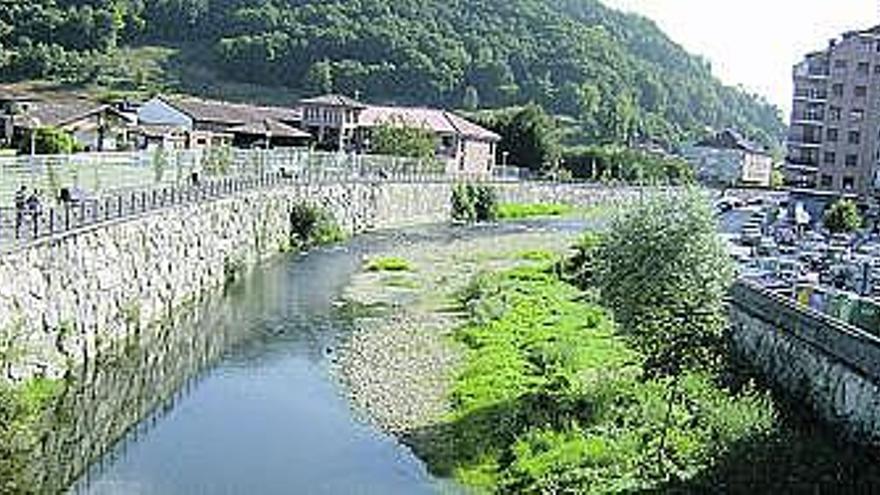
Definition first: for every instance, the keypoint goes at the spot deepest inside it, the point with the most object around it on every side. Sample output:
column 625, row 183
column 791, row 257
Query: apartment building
column 835, row 121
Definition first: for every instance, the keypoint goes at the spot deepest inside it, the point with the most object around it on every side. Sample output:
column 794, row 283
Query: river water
column 239, row 397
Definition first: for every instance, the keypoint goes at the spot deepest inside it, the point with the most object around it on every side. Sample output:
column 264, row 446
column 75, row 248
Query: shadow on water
column 234, row 395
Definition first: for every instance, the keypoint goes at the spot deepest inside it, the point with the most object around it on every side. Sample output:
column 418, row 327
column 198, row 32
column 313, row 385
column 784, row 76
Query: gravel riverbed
column 398, row 364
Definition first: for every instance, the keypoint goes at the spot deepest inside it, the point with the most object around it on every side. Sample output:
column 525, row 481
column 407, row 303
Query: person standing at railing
column 20, row 206
column 34, row 207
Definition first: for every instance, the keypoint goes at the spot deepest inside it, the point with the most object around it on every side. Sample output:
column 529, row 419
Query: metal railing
column 37, row 220
column 106, row 173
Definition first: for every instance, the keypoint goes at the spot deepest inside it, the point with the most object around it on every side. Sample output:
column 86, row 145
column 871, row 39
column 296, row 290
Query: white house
column 727, row 159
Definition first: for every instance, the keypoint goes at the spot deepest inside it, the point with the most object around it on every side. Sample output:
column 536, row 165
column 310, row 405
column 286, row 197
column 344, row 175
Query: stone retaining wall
column 832, row 367
column 64, row 300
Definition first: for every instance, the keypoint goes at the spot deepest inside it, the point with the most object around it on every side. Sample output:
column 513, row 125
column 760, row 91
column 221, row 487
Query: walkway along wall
column 814, row 359
column 64, row 300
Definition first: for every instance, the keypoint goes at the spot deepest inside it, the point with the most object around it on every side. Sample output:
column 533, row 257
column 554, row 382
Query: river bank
column 399, row 362
column 473, row 378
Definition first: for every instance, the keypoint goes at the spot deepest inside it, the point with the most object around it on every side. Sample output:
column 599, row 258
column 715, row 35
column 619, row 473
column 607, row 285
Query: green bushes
column 21, row 411
column 474, row 203
column 49, row 141
column 664, row 272
column 552, row 399
column 311, row 226
column 842, row 216
column 626, row 164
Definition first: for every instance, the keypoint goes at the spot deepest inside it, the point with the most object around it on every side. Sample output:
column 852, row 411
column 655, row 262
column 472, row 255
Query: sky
column 755, row 43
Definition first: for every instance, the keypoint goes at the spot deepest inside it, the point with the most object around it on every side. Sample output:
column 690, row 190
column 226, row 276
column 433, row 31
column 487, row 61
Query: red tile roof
column 438, row 121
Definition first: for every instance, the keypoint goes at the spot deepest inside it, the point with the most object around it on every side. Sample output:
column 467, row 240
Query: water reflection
column 233, row 395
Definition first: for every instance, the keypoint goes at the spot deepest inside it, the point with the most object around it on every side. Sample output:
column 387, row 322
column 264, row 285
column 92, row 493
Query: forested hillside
column 617, row 74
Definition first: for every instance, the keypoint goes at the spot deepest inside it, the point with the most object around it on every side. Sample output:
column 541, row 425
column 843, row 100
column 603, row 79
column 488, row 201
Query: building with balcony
column 833, row 145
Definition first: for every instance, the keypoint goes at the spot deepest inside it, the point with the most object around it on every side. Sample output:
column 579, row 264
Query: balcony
column 804, row 141
column 817, row 118
column 802, row 164
column 811, row 95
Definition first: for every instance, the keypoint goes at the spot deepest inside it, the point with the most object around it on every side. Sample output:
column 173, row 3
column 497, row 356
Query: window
column 849, row 183
column 830, row 158
column 840, row 64
column 861, row 91
column 877, row 69
column 834, row 113
column 831, row 135
column 837, row 90
column 852, row 160
column 826, row 181
column 857, row 114
column 854, row 137
column 863, row 68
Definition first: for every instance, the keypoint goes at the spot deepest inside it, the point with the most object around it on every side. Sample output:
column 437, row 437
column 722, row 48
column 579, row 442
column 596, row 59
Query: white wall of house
column 158, row 112
column 758, row 169
column 474, row 157
column 720, row 166
column 715, row 166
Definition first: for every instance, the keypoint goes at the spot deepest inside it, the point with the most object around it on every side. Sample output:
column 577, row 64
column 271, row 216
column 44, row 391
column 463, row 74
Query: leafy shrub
column 582, row 266
column 485, row 203
column 551, row 399
column 311, row 225
column 49, row 141
column 664, row 272
column 842, row 216
column 474, row 203
column 463, row 208
column 21, row 411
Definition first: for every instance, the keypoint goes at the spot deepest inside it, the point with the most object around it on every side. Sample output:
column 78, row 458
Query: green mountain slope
column 618, row 75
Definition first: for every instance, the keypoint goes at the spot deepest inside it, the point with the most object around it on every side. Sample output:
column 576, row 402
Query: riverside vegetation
column 601, row 369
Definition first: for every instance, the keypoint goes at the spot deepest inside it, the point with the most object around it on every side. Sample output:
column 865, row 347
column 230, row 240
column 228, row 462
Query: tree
column 397, row 138
column 842, row 216
column 319, row 78
column 49, row 141
column 471, row 98
column 528, row 135
column 665, row 273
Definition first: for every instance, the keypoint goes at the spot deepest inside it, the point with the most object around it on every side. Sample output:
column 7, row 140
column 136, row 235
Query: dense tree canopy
column 842, row 216
column 616, row 73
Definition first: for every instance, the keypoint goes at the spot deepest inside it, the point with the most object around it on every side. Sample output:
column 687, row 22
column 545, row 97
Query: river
column 239, row 396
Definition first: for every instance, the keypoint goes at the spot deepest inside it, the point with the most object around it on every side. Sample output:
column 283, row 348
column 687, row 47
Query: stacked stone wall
column 65, row 300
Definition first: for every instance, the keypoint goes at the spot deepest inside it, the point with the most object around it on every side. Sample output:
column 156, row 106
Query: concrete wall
column 813, row 359
column 65, row 300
